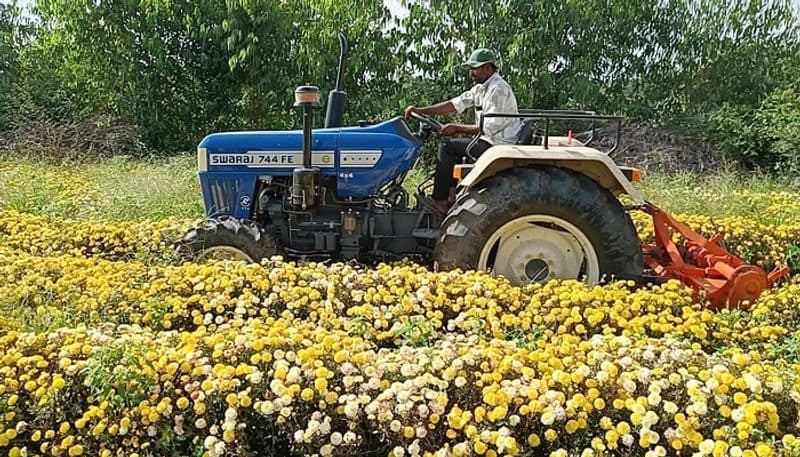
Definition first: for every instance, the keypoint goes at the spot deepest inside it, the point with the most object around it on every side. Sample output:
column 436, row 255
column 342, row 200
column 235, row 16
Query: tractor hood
column 292, row 140
column 260, row 140
column 362, row 159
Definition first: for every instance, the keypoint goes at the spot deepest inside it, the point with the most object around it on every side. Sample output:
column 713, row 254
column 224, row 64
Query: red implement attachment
column 704, row 265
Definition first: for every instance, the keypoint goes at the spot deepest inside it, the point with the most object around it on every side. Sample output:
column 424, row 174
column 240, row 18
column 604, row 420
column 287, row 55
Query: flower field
column 109, row 346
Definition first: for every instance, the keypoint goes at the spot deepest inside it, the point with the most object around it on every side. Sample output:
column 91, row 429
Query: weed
column 525, row 340
column 793, row 257
column 114, row 372
column 358, row 326
column 416, row 333
column 787, row 349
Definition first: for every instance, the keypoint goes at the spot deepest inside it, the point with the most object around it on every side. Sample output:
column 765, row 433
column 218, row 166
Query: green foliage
column 179, row 69
column 15, row 32
column 764, row 136
column 793, row 257
column 645, row 59
column 417, row 332
column 114, row 372
column 787, row 348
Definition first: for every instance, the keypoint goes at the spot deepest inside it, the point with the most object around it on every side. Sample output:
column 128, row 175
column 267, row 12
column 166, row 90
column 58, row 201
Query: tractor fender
column 584, row 160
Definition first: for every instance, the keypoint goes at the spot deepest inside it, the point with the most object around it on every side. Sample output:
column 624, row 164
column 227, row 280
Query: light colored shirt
column 493, row 96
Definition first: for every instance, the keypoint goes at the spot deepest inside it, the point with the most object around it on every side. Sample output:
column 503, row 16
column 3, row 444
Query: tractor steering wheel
column 432, row 123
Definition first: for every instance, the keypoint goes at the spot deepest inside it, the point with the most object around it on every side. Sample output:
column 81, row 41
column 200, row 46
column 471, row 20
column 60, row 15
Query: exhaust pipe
column 337, row 97
column 304, row 179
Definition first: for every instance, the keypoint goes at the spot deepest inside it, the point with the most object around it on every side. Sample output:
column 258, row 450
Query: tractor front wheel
column 537, row 224
column 226, row 238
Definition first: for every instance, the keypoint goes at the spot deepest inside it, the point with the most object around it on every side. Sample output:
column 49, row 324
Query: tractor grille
column 223, row 195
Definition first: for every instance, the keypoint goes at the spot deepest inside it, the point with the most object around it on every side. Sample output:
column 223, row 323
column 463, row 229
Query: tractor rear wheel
column 537, row 224
column 226, row 238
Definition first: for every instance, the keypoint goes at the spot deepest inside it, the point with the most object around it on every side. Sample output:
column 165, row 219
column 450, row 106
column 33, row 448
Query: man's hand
column 409, row 110
column 449, row 130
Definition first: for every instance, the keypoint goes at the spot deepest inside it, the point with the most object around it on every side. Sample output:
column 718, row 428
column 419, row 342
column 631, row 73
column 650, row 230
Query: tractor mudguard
column 584, row 160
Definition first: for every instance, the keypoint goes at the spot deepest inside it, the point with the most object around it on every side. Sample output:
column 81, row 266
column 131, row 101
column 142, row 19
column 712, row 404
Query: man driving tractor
column 490, row 94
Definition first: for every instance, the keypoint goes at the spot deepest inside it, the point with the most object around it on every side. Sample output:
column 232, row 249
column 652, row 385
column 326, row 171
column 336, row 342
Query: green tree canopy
column 179, row 69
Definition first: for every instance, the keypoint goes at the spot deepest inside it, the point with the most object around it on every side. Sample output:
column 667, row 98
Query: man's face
column 481, row 74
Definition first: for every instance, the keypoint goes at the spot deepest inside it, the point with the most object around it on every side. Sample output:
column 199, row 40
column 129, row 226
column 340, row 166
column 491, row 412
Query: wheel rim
column 537, row 248
column 224, row 253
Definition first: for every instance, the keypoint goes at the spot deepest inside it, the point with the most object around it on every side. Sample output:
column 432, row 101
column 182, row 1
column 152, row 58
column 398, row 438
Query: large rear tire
column 537, row 224
column 226, row 238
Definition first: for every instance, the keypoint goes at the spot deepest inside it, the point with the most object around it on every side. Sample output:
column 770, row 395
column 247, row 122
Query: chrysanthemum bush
column 51, row 236
column 110, row 347
column 753, row 240
column 335, row 360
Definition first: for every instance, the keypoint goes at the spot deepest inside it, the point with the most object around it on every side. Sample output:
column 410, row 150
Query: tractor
column 544, row 208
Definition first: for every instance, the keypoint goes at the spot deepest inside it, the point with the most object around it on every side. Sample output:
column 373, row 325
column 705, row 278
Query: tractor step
column 427, row 233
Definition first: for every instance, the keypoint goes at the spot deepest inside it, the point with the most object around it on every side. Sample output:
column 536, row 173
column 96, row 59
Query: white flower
column 336, row 438
column 200, row 423
column 230, row 414
column 395, row 426
column 398, row 451
column 700, row 408
column 413, row 448
column 351, row 410
column 706, row 447
column 325, row 427
column 644, row 375
column 293, row 377
column 350, row 438
column 627, row 439
column 208, row 443
column 266, row 407
column 255, row 377
column 326, row 450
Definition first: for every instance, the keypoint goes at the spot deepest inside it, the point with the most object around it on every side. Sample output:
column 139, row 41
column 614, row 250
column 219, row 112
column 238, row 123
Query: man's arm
column 455, row 129
column 439, row 108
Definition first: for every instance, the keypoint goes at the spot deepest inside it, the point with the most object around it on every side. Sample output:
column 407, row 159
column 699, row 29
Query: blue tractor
column 543, row 208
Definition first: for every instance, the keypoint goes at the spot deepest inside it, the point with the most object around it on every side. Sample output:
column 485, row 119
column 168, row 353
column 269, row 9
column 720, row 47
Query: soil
column 659, row 149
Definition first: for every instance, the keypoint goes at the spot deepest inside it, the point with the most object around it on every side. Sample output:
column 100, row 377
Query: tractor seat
column 527, row 134
column 524, row 136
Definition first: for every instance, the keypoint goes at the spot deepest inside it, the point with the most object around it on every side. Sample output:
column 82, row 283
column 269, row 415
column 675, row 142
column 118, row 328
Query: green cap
column 480, row 57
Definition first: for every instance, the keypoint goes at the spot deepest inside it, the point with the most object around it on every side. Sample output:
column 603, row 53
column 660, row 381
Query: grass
column 722, row 194
column 113, row 189
column 126, row 189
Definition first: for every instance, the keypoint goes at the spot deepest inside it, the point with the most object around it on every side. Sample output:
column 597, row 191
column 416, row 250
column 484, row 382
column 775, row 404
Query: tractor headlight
column 202, row 159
